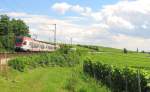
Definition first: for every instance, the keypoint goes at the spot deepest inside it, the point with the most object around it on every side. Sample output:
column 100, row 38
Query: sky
column 110, row 23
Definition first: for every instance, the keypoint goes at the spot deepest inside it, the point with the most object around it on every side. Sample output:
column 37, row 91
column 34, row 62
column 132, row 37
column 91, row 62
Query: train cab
column 21, row 43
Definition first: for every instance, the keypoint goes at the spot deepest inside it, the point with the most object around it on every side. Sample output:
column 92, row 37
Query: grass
column 52, row 79
column 109, row 49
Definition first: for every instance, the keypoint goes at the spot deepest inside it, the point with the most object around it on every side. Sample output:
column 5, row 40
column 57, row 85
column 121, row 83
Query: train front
column 20, row 44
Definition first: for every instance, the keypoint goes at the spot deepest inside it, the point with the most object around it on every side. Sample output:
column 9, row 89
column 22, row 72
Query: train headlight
column 24, row 43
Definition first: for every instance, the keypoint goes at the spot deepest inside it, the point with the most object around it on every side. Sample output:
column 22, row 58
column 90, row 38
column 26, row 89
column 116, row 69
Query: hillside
column 117, row 57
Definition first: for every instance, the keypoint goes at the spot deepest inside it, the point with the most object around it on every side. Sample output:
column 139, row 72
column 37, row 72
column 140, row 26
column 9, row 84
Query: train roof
column 33, row 39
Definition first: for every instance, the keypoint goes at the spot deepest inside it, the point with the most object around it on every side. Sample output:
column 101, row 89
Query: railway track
column 6, row 56
column 14, row 54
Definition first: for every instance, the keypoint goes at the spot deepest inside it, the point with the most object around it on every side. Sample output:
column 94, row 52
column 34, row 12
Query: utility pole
column 54, row 35
column 71, row 41
column 137, row 50
column 35, row 36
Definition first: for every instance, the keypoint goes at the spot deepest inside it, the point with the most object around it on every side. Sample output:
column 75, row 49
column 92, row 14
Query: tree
column 19, row 28
column 125, row 50
column 5, row 26
column 142, row 51
column 9, row 28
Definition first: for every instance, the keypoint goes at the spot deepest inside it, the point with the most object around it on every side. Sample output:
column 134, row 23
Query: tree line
column 9, row 29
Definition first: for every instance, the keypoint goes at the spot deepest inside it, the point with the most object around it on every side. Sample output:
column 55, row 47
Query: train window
column 42, row 46
column 36, row 45
column 31, row 44
column 19, row 40
column 50, row 47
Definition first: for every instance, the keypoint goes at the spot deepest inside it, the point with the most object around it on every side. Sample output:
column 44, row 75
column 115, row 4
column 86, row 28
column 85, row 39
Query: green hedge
column 95, row 48
column 118, row 79
column 45, row 59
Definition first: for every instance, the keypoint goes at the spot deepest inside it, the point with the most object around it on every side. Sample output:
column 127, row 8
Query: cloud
column 93, row 34
column 15, row 14
column 43, row 26
column 65, row 7
column 130, row 42
column 77, row 8
column 118, row 22
column 126, row 20
column 129, row 17
column 61, row 7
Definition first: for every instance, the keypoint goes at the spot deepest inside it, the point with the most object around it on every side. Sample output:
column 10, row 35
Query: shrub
column 71, row 84
column 95, row 48
column 46, row 59
column 125, row 51
column 18, row 64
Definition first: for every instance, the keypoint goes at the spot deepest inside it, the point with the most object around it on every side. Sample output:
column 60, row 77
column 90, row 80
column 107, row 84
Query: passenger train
column 23, row 43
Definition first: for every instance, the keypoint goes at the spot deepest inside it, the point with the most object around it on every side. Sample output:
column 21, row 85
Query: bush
column 71, row 84
column 125, row 51
column 18, row 63
column 44, row 60
column 95, row 48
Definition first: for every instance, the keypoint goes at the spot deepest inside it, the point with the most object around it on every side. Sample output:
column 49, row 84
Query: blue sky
column 111, row 23
column 44, row 6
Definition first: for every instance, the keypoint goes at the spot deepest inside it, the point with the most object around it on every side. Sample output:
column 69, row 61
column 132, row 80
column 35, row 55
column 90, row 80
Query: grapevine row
column 118, row 79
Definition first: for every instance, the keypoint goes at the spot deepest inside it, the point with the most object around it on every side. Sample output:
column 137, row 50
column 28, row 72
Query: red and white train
column 23, row 43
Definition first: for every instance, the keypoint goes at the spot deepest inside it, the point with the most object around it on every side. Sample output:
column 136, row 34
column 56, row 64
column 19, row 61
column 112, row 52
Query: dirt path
column 4, row 67
column 4, row 61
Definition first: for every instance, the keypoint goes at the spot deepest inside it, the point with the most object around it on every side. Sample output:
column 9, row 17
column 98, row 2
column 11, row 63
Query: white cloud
column 144, row 26
column 65, row 7
column 42, row 25
column 77, row 9
column 130, row 42
column 61, row 7
column 93, row 34
column 115, row 21
column 127, row 21
column 15, row 14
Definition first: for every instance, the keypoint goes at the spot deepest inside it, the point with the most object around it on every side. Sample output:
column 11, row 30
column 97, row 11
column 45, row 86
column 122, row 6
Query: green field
column 116, row 57
column 52, row 79
column 130, row 59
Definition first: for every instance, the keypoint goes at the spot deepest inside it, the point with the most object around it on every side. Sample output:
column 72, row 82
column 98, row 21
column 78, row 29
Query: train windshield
column 18, row 40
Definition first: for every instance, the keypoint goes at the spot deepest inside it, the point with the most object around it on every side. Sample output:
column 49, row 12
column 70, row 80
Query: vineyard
column 118, row 71
column 118, row 79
